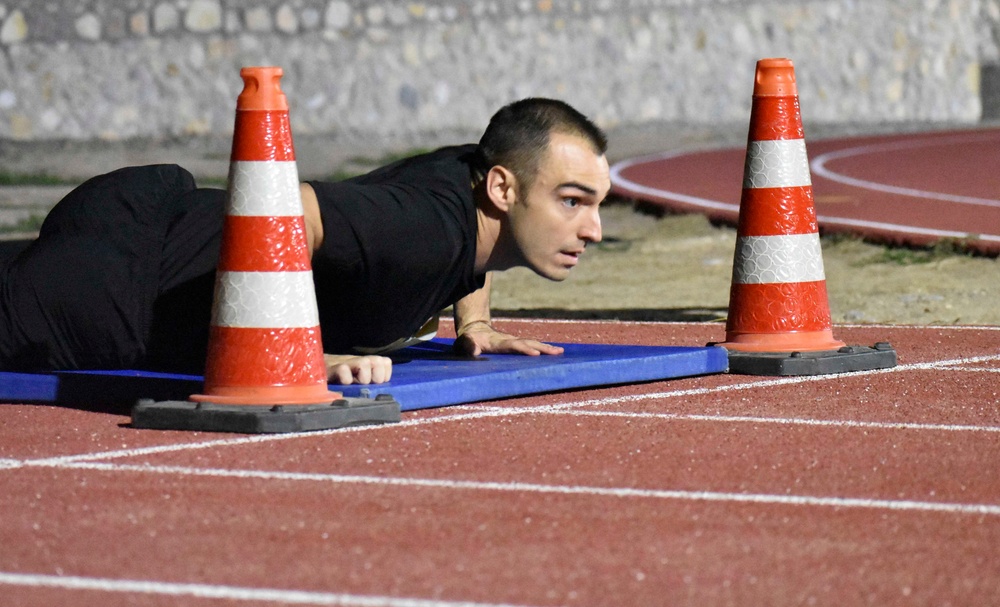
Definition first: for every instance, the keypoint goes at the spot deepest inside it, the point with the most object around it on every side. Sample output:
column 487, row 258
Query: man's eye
column 570, row 202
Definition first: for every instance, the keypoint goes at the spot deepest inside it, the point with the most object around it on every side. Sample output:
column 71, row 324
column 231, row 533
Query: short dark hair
column 518, row 135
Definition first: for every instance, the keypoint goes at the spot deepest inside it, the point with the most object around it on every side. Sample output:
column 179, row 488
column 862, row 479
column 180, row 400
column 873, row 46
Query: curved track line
column 213, row 591
column 617, row 178
column 718, row 205
column 892, row 227
column 819, row 168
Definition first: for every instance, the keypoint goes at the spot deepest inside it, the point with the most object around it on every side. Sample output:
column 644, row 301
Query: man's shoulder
column 447, row 163
column 434, row 185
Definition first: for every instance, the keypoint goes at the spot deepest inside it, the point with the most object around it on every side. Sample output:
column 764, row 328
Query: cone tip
column 261, row 89
column 775, row 78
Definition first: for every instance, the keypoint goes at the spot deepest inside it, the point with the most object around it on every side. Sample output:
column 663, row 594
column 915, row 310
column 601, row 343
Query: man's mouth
column 572, row 257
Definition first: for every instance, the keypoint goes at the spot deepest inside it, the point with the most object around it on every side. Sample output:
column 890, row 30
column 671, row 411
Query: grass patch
column 213, row 182
column 909, row 256
column 15, row 179
column 359, row 165
column 840, row 238
column 342, row 174
column 31, row 223
column 870, row 254
column 388, row 158
column 352, row 167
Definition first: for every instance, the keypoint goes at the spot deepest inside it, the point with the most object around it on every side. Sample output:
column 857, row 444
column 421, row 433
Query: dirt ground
column 679, row 267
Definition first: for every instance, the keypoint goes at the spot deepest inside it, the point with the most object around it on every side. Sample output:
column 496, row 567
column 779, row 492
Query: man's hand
column 481, row 338
column 477, row 336
column 348, row 369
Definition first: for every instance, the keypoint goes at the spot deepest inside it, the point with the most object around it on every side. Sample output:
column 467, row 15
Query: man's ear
column 501, row 188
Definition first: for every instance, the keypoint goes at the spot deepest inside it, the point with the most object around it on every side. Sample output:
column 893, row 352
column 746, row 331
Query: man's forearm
column 474, row 308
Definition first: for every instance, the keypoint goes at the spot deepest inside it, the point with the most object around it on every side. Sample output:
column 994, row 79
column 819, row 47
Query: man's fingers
column 521, row 347
column 340, row 374
column 534, row 348
column 362, row 372
column 381, row 369
column 548, row 348
column 372, row 369
column 358, row 369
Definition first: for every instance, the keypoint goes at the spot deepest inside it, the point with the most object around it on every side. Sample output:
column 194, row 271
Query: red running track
column 913, row 188
column 871, row 488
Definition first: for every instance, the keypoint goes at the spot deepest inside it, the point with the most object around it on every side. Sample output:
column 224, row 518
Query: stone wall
column 117, row 69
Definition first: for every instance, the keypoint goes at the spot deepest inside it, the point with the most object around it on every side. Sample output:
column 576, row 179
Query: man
column 121, row 275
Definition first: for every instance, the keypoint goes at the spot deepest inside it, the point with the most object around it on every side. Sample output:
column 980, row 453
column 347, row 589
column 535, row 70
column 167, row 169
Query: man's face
column 554, row 220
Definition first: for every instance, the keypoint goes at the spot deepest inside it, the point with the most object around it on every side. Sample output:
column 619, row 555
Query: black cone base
column 825, row 362
column 262, row 419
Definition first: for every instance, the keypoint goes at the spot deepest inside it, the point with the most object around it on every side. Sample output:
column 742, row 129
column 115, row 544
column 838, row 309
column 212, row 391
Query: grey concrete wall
column 359, row 69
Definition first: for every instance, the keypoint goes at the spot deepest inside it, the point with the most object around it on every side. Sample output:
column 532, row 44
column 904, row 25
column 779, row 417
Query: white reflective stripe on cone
column 778, row 259
column 265, row 300
column 261, row 188
column 776, row 164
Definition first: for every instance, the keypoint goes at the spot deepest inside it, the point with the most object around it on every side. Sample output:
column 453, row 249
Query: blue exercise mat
column 423, row 376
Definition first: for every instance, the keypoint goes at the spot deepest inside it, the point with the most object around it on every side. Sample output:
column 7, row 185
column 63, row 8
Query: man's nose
column 590, row 229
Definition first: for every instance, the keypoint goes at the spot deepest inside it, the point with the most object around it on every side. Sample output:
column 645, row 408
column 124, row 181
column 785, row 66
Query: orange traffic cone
column 265, row 346
column 265, row 370
column 778, row 302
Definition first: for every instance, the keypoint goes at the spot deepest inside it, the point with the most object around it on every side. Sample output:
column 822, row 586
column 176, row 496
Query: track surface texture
column 913, row 188
column 876, row 488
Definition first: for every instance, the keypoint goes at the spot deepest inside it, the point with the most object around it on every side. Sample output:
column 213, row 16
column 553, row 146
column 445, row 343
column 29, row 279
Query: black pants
column 121, row 276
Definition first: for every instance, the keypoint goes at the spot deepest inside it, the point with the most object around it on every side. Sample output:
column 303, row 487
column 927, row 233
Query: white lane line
column 215, row 591
column 819, row 168
column 520, row 487
column 473, row 412
column 782, row 421
column 956, row 362
column 975, row 369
